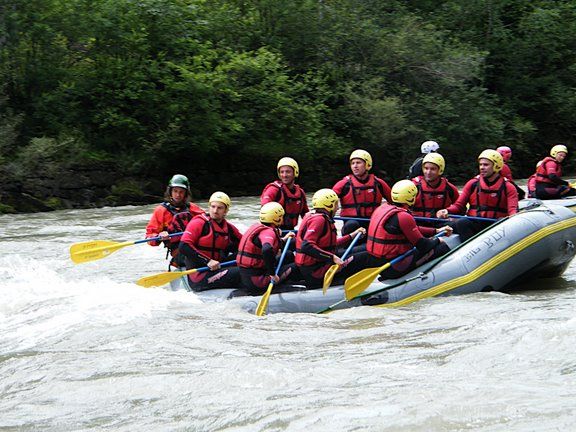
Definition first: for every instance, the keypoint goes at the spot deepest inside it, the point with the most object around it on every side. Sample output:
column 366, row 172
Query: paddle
column 329, row 276
column 160, row 279
column 425, row 219
column 358, row 282
column 263, row 304
column 98, row 249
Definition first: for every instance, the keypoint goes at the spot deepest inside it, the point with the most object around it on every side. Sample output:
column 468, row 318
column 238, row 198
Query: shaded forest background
column 101, row 101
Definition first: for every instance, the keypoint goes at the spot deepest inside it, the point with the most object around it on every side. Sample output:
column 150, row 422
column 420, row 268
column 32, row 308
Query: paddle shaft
column 160, row 279
column 146, row 240
column 263, row 304
column 329, row 276
column 203, row 269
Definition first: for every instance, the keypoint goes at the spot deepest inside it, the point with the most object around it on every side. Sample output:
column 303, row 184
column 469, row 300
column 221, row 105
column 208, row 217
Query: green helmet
column 179, row 180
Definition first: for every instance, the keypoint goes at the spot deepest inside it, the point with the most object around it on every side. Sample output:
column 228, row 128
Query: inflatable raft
column 535, row 243
column 569, row 202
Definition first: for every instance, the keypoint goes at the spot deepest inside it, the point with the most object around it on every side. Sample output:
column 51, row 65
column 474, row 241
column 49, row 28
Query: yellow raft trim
column 488, row 265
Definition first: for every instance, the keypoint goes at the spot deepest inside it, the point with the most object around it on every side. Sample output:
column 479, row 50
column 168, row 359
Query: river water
column 84, row 348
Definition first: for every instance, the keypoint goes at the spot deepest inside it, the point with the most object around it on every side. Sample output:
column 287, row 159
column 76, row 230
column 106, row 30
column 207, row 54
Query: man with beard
column 287, row 193
column 361, row 192
column 177, row 206
column 435, row 192
column 208, row 240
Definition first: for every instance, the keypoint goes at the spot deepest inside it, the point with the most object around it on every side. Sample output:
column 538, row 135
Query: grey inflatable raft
column 535, row 243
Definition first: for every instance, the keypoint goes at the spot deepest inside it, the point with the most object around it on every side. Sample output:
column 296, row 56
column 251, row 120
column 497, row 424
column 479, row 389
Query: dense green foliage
column 220, row 89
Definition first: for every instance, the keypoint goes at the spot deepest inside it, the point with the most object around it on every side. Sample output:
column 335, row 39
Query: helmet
column 364, row 155
column 179, row 180
column 429, row 146
column 506, row 152
column 288, row 161
column 220, row 197
column 557, row 149
column 494, row 157
column 404, row 192
column 272, row 213
column 325, row 199
column 437, row 159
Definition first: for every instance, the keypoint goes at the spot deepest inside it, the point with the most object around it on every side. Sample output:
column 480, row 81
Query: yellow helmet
column 272, row 213
column 288, row 161
column 437, row 159
column 325, row 199
column 557, row 149
column 364, row 155
column 222, row 198
column 494, row 157
column 404, row 192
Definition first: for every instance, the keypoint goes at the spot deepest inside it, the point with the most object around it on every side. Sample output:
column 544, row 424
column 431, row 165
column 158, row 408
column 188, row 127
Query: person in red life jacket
column 317, row 242
column 259, row 248
column 172, row 216
column 531, row 182
column 506, row 172
column 427, row 147
column 287, row 193
column 208, row 240
column 393, row 231
column 549, row 183
column 489, row 195
column 361, row 192
column 435, row 192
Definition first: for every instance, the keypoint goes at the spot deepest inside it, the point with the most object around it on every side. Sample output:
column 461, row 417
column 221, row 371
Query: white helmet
column 429, row 146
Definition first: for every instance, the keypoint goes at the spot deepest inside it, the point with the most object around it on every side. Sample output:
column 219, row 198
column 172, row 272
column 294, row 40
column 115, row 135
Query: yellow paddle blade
column 358, row 283
column 329, row 277
column 263, row 305
column 94, row 250
column 160, row 279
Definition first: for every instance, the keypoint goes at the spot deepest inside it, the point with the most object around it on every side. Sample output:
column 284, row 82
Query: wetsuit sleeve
column 550, row 167
column 270, row 247
column 235, row 237
column 309, row 244
column 459, row 207
column 412, row 232
column 427, row 231
column 190, row 238
column 271, row 193
column 339, row 187
column 453, row 192
column 344, row 240
column 512, row 199
column 387, row 192
column 197, row 258
column 156, row 224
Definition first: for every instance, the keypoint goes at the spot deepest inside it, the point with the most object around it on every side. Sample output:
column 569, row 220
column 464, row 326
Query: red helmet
column 506, row 152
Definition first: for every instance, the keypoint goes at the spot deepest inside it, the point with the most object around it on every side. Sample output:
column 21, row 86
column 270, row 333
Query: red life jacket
column 361, row 199
column 250, row 249
column 214, row 239
column 380, row 242
column 542, row 175
column 429, row 200
column 325, row 239
column 293, row 203
column 179, row 218
column 489, row 201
